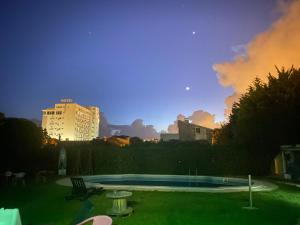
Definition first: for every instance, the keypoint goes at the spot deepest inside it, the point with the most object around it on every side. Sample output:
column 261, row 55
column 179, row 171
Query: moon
column 194, row 32
column 187, row 88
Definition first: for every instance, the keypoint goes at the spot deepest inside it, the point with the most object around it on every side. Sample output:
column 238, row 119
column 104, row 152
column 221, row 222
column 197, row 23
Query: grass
column 44, row 204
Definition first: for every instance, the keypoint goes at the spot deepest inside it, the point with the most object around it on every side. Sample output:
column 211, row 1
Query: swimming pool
column 148, row 182
column 168, row 183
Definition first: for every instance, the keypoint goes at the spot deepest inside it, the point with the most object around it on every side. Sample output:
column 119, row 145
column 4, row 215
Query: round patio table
column 119, row 205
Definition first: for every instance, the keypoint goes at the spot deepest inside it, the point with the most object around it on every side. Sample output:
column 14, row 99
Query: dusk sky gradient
column 133, row 59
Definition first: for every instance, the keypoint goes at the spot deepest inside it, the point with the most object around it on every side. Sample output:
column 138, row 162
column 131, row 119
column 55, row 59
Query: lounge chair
column 80, row 191
column 97, row 220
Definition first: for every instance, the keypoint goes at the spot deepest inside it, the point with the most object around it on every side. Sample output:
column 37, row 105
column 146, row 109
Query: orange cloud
column 278, row 46
column 173, row 128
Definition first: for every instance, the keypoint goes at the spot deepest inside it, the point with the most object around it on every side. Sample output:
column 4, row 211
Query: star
column 187, row 88
column 194, row 32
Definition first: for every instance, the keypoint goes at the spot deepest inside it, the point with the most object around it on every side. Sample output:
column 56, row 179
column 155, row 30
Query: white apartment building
column 71, row 121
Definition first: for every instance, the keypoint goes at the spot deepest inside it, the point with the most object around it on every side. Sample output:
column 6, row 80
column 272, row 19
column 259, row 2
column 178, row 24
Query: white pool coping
column 258, row 185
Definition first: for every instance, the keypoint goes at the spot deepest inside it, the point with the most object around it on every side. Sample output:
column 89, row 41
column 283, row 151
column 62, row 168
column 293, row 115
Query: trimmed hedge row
column 150, row 158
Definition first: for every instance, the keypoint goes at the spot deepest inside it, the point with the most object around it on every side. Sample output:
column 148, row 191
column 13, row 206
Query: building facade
column 193, row 132
column 71, row 121
column 169, row 136
column 287, row 162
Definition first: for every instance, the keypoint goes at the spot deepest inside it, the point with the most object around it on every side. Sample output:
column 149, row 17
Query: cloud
column 104, row 129
column 239, row 49
column 278, row 46
column 198, row 117
column 229, row 102
column 173, row 128
column 204, row 119
column 137, row 128
column 282, row 6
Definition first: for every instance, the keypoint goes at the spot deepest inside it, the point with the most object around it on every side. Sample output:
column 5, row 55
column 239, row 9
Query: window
column 198, row 130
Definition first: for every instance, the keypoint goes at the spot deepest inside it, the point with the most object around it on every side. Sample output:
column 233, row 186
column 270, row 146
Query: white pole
column 250, row 190
column 250, row 207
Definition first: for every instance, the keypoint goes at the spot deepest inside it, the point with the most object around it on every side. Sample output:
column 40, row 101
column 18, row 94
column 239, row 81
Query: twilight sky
column 133, row 59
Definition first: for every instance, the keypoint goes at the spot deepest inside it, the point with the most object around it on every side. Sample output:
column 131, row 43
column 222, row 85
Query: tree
column 135, row 140
column 46, row 139
column 2, row 116
column 20, row 141
column 266, row 116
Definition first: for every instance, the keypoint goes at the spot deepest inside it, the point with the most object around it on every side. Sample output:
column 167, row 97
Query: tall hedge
column 161, row 158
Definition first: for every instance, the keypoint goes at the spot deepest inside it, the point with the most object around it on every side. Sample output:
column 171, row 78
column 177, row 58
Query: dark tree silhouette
column 266, row 116
column 20, row 141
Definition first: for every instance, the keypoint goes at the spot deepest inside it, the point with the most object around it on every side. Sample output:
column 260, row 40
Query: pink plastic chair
column 98, row 220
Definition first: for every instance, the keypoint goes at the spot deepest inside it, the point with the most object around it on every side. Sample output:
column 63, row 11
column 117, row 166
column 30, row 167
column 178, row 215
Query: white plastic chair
column 98, row 220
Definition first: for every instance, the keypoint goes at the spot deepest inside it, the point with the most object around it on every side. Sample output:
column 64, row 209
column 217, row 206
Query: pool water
column 169, row 183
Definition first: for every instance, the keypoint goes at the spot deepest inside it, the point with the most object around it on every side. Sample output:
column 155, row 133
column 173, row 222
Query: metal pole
column 250, row 190
column 250, row 207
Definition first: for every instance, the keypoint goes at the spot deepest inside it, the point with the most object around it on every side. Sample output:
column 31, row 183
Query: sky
column 149, row 60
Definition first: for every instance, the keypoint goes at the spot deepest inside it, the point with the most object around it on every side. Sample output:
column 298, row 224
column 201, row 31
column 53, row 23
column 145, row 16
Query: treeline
column 265, row 117
column 23, row 148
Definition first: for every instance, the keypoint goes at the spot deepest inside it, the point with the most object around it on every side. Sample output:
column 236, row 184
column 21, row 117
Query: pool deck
column 257, row 186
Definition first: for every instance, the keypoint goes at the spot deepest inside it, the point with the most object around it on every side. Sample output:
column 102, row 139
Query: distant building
column 287, row 162
column 120, row 141
column 71, row 121
column 189, row 132
column 169, row 136
column 193, row 132
column 151, row 140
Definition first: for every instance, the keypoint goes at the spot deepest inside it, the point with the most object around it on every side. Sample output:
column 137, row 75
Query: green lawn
column 45, row 205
